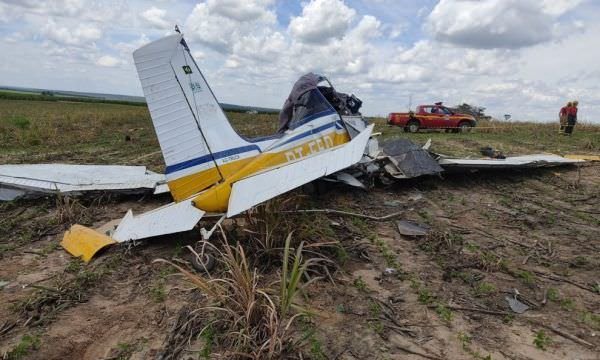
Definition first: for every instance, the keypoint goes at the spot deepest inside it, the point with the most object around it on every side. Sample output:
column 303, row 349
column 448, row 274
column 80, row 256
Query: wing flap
column 258, row 188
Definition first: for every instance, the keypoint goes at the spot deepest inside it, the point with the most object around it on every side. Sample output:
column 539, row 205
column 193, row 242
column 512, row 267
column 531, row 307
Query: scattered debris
column 409, row 228
column 408, row 160
column 390, row 272
column 492, row 153
column 516, row 305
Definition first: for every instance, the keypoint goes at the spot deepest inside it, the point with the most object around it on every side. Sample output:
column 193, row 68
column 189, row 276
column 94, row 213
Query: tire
column 206, row 262
column 464, row 127
column 412, row 126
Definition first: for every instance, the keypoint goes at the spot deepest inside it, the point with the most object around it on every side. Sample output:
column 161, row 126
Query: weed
column 388, row 254
column 374, row 309
column 24, row 347
column 315, row 346
column 552, row 294
column 19, row 121
column 465, row 341
column 290, row 277
column 567, row 304
column 415, row 284
column 74, row 265
column 361, row 285
column 526, row 277
column 508, row 319
column 124, row 351
column 484, row 289
column 425, row 296
column 208, row 336
column 541, row 340
column 471, row 247
column 316, row 349
column 158, row 292
column 444, row 313
column 377, row 327
column 341, row 254
column 590, row 319
column 340, row 308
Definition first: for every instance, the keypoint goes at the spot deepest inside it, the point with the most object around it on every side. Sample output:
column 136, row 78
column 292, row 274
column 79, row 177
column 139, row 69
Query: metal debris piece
column 409, row 228
column 348, row 179
column 390, row 272
column 31, row 180
column 408, row 160
column 516, row 305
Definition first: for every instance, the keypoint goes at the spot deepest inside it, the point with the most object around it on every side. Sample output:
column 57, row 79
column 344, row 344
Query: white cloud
column 156, row 18
column 559, row 7
column 494, row 23
column 322, row 20
column 79, row 35
column 108, row 61
column 208, row 24
column 240, row 10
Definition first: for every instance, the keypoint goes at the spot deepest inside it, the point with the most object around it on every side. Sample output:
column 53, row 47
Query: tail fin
column 192, row 129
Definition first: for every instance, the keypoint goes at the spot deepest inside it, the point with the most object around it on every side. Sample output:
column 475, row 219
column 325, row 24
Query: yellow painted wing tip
column 84, row 242
column 583, row 157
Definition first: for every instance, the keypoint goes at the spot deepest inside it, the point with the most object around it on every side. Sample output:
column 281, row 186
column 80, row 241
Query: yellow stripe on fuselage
column 216, row 199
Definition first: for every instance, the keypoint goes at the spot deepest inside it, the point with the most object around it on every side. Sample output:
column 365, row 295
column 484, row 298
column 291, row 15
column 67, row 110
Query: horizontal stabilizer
column 169, row 219
column 258, row 188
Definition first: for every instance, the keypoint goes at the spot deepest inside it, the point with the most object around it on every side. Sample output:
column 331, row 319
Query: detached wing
column 255, row 189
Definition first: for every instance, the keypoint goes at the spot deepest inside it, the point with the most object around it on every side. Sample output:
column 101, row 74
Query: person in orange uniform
column 562, row 116
column 571, row 118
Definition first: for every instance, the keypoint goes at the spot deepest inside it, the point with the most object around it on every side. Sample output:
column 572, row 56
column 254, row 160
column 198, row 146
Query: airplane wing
column 264, row 186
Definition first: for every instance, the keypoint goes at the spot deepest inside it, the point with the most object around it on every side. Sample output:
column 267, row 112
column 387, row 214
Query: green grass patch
column 26, row 346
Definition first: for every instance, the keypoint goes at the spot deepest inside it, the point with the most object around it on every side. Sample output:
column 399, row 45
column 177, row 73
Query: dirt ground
column 439, row 296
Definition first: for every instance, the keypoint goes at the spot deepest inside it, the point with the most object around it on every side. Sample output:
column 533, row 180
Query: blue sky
column 522, row 57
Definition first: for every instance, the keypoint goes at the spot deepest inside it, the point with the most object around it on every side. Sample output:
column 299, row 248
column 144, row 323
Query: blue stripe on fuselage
column 221, row 154
column 209, row 157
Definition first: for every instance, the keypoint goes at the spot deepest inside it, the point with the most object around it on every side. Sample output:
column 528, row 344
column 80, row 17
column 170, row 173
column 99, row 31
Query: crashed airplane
column 210, row 168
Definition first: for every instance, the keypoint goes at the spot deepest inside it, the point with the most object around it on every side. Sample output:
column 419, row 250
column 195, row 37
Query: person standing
column 571, row 118
column 562, row 116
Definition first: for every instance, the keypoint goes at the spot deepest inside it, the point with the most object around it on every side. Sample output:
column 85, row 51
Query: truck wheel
column 464, row 127
column 412, row 126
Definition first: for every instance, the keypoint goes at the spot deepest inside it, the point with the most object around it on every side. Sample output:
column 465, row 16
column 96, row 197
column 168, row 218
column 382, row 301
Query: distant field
column 82, row 132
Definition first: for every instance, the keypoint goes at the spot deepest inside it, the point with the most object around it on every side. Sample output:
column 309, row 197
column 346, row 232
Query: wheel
column 204, row 262
column 412, row 126
column 464, row 127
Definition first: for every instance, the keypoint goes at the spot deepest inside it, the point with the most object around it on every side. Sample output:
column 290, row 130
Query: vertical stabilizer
column 192, row 129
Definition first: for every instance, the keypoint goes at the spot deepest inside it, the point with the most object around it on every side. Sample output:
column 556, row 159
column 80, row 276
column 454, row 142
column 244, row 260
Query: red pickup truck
column 432, row 117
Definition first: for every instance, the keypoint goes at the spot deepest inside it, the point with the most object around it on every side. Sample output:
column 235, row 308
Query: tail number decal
column 310, row 148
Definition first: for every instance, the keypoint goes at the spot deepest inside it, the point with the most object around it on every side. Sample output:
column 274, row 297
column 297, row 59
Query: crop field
column 298, row 285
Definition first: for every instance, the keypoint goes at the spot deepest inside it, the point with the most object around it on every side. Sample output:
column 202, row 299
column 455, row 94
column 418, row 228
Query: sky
column 520, row 57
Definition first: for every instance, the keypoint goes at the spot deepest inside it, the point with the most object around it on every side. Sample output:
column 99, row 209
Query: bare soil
column 492, row 234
